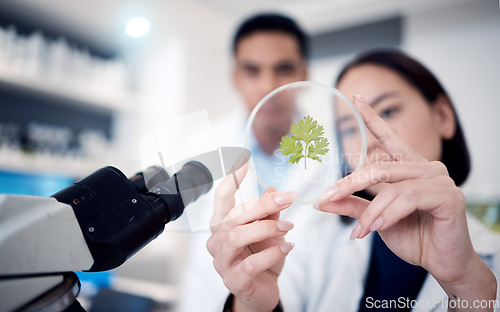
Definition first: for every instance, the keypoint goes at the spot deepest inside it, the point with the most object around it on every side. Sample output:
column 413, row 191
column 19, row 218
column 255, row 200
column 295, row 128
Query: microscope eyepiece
column 144, row 181
column 185, row 187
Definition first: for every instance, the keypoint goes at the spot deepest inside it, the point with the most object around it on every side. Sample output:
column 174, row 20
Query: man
column 269, row 50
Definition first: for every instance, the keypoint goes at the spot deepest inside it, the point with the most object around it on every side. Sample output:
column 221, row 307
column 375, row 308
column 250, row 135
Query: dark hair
column 269, row 22
column 455, row 155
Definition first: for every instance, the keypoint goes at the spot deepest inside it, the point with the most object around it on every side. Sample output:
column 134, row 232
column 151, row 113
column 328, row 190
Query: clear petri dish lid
column 304, row 137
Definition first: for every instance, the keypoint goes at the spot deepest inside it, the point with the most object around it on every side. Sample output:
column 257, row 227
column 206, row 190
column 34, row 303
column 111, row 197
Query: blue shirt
column 271, row 169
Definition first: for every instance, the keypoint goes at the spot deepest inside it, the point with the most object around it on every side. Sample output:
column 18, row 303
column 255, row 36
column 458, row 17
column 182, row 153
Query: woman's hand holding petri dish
column 419, row 212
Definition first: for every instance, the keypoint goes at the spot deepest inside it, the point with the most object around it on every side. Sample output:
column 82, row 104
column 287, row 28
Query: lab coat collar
column 354, row 272
column 431, row 296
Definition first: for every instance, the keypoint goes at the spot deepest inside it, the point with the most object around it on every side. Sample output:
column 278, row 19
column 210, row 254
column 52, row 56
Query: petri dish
column 304, row 137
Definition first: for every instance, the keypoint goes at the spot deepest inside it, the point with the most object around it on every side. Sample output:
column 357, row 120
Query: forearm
column 477, row 291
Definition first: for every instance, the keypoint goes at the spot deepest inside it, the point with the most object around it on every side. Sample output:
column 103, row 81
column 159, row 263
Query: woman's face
column 421, row 125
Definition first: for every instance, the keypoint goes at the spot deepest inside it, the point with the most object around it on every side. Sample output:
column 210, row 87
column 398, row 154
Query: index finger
column 224, row 194
column 392, row 143
column 267, row 205
column 351, row 206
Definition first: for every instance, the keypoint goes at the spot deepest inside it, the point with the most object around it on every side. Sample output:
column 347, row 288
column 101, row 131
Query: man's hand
column 247, row 243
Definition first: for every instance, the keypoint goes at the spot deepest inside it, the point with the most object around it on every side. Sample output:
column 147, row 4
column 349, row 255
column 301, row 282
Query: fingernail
column 286, row 247
column 316, row 205
column 377, row 224
column 356, row 231
column 270, row 189
column 329, row 193
column 284, row 226
column 285, row 198
column 358, row 97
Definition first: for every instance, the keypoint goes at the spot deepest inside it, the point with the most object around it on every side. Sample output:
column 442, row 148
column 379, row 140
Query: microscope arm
column 40, row 235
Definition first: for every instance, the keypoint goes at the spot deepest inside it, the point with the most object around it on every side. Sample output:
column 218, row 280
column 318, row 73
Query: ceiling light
column 137, row 27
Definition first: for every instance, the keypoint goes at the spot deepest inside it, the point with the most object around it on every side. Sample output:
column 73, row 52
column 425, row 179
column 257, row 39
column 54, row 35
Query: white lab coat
column 327, row 271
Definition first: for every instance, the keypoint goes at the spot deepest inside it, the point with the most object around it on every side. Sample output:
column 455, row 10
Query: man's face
column 265, row 61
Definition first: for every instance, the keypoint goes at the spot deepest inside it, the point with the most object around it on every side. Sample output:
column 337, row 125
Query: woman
column 412, row 210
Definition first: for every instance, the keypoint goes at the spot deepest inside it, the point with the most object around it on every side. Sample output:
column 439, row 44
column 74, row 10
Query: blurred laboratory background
column 82, row 81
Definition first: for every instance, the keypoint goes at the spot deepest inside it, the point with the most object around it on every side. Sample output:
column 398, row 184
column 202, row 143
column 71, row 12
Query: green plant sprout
column 305, row 142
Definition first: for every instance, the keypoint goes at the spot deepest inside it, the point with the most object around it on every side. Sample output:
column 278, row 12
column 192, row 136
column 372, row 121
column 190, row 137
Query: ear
column 445, row 117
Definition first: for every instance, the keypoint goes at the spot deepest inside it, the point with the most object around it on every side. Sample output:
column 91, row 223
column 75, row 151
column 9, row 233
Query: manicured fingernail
column 356, row 231
column 329, row 193
column 359, row 97
column 286, row 247
column 284, row 226
column 377, row 224
column 285, row 198
column 316, row 205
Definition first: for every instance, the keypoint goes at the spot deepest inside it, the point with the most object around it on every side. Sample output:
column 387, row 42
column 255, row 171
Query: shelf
column 70, row 93
column 44, row 165
column 16, row 161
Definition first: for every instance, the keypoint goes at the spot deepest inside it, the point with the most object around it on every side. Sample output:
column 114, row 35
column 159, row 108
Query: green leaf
column 319, row 148
column 290, row 146
column 306, row 141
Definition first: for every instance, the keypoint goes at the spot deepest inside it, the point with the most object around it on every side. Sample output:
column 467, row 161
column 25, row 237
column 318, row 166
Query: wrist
column 476, row 283
column 474, row 271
